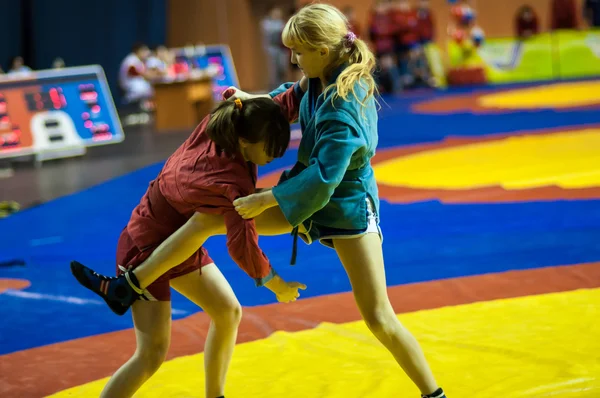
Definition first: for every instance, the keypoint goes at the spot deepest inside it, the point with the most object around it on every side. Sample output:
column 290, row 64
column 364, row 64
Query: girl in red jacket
column 216, row 165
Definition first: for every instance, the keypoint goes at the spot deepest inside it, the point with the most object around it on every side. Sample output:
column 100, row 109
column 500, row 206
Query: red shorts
column 130, row 256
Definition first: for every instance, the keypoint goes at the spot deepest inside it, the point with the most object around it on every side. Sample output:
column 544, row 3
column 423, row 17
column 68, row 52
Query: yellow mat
column 537, row 346
column 561, row 95
column 569, row 160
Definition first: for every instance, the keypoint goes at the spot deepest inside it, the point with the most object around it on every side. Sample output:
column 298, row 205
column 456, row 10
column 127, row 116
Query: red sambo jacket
column 200, row 178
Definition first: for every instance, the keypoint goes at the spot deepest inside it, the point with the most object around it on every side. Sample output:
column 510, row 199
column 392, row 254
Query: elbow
column 196, row 221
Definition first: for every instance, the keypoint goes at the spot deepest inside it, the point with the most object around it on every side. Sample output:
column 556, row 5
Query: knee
column 152, row 355
column 381, row 320
column 229, row 315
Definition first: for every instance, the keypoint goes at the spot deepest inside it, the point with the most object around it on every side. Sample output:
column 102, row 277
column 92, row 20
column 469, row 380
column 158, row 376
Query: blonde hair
column 322, row 25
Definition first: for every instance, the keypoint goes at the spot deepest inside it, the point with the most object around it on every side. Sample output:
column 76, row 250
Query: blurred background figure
column 160, row 62
column 272, row 27
column 17, row 66
column 526, row 22
column 134, row 75
column 58, row 63
column 591, row 13
column 563, row 14
column 382, row 36
column 404, row 18
column 425, row 22
column 426, row 31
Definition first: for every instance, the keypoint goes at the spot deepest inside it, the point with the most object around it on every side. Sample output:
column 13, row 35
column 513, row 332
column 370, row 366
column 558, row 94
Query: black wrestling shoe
column 439, row 393
column 119, row 292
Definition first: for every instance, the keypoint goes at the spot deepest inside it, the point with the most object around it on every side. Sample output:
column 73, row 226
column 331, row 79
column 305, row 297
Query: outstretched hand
column 286, row 292
column 290, row 293
column 252, row 205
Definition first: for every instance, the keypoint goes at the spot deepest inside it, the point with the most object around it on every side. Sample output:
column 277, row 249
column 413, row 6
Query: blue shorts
column 325, row 235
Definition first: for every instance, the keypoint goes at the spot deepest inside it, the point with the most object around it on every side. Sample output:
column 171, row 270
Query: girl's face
column 312, row 62
column 255, row 153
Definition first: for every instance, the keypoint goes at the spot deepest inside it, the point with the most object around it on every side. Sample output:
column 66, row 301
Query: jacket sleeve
column 242, row 237
column 242, row 245
column 308, row 192
column 289, row 101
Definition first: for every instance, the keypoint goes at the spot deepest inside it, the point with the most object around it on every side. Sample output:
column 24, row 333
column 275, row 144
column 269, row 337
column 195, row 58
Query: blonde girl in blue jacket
column 330, row 194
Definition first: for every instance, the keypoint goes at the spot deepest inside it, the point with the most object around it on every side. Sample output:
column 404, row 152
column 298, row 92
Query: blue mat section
column 423, row 241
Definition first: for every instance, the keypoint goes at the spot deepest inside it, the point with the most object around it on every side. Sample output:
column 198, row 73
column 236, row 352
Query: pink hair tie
column 349, row 39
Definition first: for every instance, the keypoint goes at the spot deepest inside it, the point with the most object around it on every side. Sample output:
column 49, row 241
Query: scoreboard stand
column 216, row 58
column 54, row 114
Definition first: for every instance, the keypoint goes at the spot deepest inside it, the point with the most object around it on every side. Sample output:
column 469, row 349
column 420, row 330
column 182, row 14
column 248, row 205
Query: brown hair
column 259, row 119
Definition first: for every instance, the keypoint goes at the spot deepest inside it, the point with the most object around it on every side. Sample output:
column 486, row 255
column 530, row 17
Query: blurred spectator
column 58, row 63
column 407, row 38
column 134, row 76
column 17, row 66
column 425, row 24
column 353, row 25
column 591, row 12
column 563, row 14
column 382, row 35
column 189, row 51
column 426, row 29
column 526, row 22
column 160, row 62
column 272, row 27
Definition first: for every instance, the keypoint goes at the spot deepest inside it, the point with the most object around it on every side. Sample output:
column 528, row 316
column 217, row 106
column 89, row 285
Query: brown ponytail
column 258, row 119
column 221, row 127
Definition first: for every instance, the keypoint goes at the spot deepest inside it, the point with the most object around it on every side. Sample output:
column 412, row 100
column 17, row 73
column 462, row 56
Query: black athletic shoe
column 116, row 291
column 439, row 393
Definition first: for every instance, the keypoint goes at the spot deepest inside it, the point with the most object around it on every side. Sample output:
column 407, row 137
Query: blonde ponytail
column 361, row 64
